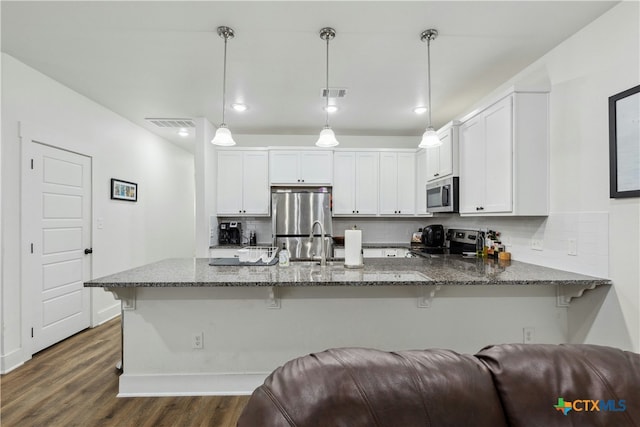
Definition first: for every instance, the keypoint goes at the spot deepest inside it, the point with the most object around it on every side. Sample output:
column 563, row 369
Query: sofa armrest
column 531, row 378
column 362, row 387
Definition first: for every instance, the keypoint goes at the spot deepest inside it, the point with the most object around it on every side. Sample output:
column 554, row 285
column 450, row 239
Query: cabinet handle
column 436, row 174
column 357, row 211
column 303, row 180
column 479, row 208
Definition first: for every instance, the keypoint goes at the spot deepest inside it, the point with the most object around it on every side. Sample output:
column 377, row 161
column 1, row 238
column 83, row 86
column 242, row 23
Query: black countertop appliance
column 230, row 233
column 433, row 239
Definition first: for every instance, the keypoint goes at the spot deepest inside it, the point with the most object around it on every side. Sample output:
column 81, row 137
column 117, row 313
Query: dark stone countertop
column 440, row 270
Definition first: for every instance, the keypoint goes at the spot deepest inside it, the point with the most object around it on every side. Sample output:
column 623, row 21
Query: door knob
column 88, row 251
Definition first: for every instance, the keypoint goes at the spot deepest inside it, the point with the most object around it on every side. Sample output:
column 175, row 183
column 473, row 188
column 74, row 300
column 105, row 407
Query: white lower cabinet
column 355, row 183
column 397, row 183
column 243, row 183
column 504, row 158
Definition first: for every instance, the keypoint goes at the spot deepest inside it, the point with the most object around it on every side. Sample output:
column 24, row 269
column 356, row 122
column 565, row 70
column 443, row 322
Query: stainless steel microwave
column 442, row 196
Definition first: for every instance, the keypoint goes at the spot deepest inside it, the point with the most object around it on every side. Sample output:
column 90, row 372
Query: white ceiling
column 164, row 59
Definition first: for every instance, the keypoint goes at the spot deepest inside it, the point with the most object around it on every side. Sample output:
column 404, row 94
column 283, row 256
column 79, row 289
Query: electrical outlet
column 537, row 244
column 572, row 247
column 197, row 340
column 528, row 335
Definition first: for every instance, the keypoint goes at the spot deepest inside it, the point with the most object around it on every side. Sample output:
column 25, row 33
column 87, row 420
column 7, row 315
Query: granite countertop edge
column 448, row 270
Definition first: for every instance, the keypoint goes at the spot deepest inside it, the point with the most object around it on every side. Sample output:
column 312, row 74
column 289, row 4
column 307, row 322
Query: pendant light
column 223, row 134
column 430, row 137
column 327, row 137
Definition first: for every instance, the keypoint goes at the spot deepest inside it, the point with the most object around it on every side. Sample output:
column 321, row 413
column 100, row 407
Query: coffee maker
column 230, row 233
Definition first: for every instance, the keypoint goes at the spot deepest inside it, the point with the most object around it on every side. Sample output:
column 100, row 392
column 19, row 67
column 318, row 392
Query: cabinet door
column 344, row 181
column 229, row 183
column 316, row 167
column 406, row 189
column 283, row 167
column 388, row 183
column 366, row 195
column 498, row 151
column 445, row 154
column 255, row 199
column 433, row 163
column 421, row 182
column 472, row 160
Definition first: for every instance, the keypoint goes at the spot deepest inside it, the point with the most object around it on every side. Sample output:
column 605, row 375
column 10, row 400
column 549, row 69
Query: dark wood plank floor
column 74, row 383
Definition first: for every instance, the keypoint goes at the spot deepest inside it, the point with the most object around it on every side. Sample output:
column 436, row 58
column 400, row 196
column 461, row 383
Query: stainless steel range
column 461, row 241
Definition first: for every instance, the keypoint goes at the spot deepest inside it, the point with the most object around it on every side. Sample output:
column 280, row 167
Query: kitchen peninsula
column 194, row 329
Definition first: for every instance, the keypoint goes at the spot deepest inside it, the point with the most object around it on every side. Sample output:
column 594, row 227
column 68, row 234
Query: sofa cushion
column 598, row 386
column 362, row 387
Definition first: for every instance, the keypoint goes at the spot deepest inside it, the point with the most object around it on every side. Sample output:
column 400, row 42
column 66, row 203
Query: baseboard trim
column 157, row 385
column 107, row 314
column 11, row 361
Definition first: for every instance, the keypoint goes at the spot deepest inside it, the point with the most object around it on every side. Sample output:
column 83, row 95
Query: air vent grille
column 172, row 123
column 334, row 92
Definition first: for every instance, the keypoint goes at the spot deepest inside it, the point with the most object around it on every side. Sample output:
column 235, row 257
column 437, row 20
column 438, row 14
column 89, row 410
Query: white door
column 406, row 183
column 344, row 181
column 283, row 167
column 255, row 188
column 229, row 183
column 366, row 193
column 56, row 231
column 388, row 183
column 316, row 167
column 499, row 154
column 472, row 169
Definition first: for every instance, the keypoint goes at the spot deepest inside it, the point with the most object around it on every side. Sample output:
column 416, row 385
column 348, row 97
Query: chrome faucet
column 323, row 259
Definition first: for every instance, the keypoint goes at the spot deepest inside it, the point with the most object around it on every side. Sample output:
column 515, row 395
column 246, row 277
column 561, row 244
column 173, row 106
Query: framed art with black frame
column 624, row 144
column 124, row 190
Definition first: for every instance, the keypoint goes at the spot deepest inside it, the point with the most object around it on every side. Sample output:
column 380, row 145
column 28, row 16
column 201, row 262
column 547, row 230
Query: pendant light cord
column 224, row 78
column 326, row 108
column 429, row 76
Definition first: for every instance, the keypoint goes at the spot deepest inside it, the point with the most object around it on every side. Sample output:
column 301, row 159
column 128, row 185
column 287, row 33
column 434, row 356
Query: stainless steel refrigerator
column 293, row 212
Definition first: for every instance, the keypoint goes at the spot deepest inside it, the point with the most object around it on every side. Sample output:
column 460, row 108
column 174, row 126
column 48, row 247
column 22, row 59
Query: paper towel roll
column 353, row 248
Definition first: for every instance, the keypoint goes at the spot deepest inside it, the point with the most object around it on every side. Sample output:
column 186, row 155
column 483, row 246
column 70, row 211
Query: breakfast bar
column 223, row 329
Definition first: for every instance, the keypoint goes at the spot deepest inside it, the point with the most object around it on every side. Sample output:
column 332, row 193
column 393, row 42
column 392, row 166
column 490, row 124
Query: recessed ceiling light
column 330, row 108
column 239, row 107
column 183, row 132
column 420, row 110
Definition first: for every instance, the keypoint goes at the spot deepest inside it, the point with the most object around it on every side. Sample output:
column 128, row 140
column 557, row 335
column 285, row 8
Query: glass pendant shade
column 327, row 138
column 223, row 137
column 430, row 139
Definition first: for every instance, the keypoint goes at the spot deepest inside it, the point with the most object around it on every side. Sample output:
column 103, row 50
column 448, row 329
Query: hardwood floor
column 74, row 383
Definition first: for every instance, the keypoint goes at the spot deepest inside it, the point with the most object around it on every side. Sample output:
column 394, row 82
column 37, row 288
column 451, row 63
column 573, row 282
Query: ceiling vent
column 334, row 92
column 172, row 123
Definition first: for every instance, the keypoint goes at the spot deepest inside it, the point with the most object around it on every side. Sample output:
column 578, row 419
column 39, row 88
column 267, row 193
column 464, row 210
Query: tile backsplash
column 573, row 241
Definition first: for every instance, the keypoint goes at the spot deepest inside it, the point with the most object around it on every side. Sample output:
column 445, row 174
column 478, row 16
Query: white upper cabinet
column 504, row 157
column 442, row 161
column 355, row 183
column 301, row 167
column 397, row 183
column 243, row 183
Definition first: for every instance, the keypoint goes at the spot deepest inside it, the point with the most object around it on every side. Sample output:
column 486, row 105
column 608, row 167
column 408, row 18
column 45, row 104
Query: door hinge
column 31, row 332
column 32, row 248
column 31, row 163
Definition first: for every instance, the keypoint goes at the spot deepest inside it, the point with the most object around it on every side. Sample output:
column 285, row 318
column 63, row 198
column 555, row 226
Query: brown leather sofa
column 503, row 385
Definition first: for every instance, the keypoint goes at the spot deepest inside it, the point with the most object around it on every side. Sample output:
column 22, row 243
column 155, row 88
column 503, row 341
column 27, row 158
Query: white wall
column 159, row 225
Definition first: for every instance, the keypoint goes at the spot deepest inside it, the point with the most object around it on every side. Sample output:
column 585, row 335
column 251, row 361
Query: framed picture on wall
column 124, row 190
column 624, row 143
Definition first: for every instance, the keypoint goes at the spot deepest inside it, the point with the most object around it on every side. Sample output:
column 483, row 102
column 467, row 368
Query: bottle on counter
column 283, row 256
